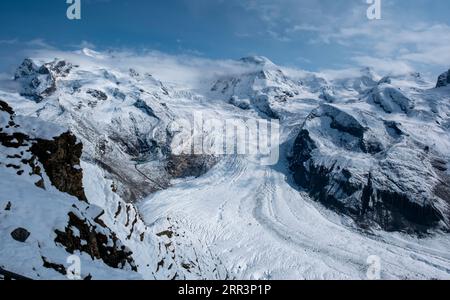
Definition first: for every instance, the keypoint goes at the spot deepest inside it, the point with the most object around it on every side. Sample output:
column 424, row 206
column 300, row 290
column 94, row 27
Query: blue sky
column 307, row 34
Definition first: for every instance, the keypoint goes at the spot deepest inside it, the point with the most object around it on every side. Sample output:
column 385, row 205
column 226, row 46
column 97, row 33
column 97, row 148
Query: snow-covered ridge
column 121, row 117
column 373, row 149
column 41, row 223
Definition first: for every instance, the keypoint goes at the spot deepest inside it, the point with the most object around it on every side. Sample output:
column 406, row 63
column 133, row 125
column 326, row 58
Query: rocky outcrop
column 96, row 240
column 184, row 165
column 141, row 105
column 369, row 173
column 35, row 156
column 6, row 108
column 443, row 80
column 99, row 95
column 61, row 160
column 60, row 156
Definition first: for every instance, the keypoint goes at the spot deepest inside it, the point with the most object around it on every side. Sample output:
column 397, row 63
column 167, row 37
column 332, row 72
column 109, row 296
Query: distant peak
column 367, row 71
column 257, row 60
column 27, row 68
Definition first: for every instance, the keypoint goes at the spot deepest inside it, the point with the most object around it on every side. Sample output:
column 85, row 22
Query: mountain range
column 88, row 168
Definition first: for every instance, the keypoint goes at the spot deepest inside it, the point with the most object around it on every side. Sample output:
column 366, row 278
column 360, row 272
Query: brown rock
column 59, row 158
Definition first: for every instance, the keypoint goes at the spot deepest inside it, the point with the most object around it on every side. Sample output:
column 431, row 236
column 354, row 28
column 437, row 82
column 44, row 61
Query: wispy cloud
column 39, row 43
column 398, row 40
column 9, row 42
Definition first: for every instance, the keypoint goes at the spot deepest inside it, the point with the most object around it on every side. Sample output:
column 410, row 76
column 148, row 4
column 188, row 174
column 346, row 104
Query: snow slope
column 260, row 227
column 240, row 219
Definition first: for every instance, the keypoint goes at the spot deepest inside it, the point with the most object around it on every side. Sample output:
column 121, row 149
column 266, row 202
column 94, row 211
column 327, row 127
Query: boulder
column 20, row 234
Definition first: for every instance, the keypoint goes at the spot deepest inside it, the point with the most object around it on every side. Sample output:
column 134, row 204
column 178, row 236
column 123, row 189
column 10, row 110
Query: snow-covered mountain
column 45, row 213
column 363, row 171
column 263, row 87
column 381, row 158
column 121, row 118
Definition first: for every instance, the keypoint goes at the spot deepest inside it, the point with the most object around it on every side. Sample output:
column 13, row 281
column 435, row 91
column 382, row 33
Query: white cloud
column 189, row 70
column 9, row 42
column 39, row 43
column 385, row 65
column 400, row 39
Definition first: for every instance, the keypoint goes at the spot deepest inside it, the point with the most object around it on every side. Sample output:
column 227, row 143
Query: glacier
column 227, row 216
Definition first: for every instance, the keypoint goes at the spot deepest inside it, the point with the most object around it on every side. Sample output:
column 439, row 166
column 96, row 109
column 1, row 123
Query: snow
column 40, row 220
column 260, row 227
column 241, row 220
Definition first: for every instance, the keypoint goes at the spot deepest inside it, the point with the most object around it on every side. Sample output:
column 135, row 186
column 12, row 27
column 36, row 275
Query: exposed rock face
column 40, row 82
column 6, row 108
column 57, row 267
column 444, row 79
column 61, row 160
column 11, row 137
column 99, row 95
column 60, row 157
column 145, row 108
column 182, row 166
column 96, row 240
column 369, row 172
column 20, row 234
column 35, row 156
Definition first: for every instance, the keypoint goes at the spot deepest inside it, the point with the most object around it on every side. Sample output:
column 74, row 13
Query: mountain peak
column 367, row 71
column 257, row 60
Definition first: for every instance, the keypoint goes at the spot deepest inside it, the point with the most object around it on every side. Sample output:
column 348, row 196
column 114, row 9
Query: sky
column 312, row 35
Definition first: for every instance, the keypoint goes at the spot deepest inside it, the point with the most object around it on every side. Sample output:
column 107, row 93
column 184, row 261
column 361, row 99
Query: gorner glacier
column 88, row 170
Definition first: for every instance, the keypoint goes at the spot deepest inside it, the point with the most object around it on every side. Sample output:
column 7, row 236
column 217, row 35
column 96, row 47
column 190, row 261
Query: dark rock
column 57, row 68
column 141, row 105
column 5, row 107
column 374, row 195
column 40, row 184
column 99, row 244
column 87, row 278
column 443, row 80
column 8, row 206
column 61, row 160
column 20, row 234
column 189, row 165
column 97, row 94
column 57, row 267
column 167, row 233
column 14, row 140
column 391, row 210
